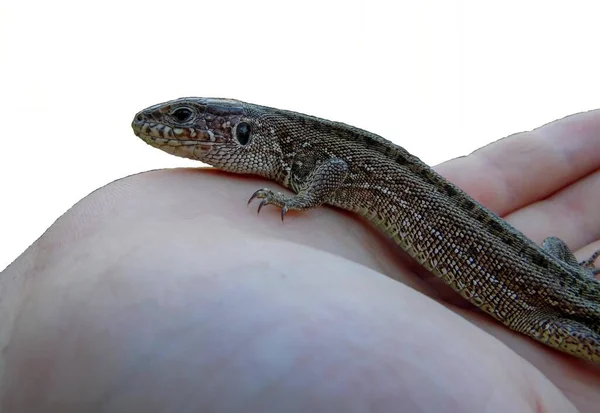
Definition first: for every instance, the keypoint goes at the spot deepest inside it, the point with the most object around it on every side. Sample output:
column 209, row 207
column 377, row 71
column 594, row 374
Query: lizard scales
column 542, row 292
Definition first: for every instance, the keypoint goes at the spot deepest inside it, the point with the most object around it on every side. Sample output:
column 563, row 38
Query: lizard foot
column 589, row 263
column 271, row 198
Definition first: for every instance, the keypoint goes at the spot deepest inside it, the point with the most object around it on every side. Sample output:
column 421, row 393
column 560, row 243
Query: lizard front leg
column 322, row 184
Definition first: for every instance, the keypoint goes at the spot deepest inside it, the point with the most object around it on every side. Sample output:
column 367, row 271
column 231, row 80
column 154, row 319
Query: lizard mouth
column 183, row 142
column 159, row 132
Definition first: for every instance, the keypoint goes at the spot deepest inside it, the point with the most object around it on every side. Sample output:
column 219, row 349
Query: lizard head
column 224, row 133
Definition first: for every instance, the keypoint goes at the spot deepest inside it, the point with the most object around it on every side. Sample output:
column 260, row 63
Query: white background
column 440, row 78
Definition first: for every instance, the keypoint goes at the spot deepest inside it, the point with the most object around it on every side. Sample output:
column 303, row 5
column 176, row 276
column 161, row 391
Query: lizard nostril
column 139, row 117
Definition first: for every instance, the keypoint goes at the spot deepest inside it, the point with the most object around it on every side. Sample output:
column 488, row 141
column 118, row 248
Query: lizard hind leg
column 559, row 249
column 321, row 185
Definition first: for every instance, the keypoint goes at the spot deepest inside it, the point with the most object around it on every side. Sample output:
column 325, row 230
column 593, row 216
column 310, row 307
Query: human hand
column 161, row 292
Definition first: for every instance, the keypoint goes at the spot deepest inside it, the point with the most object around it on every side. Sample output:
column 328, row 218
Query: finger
column 571, row 214
column 526, row 167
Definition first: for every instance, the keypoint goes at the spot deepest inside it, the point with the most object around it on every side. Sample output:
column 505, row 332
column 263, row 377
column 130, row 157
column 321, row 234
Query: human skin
column 163, row 292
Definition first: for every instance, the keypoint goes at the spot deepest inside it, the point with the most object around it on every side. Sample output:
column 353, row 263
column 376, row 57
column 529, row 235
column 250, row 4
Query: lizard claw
column 262, row 204
column 266, row 195
column 261, row 193
column 284, row 211
column 270, row 198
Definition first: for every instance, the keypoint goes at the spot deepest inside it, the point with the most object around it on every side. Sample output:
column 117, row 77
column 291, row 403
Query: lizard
column 540, row 291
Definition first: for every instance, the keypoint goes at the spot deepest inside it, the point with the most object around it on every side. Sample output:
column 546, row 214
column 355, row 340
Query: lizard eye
column 182, row 114
column 242, row 133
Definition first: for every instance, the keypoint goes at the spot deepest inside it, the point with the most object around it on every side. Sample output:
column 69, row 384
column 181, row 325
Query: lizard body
column 542, row 292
